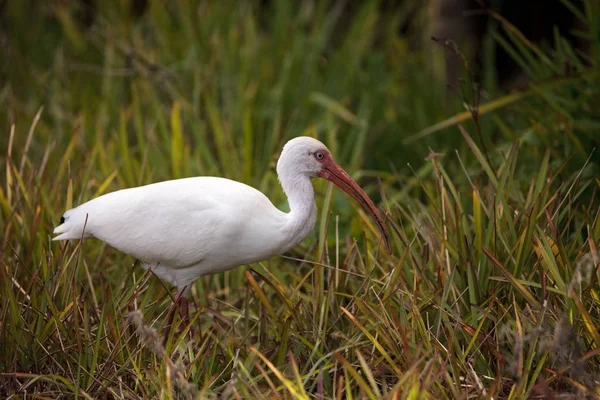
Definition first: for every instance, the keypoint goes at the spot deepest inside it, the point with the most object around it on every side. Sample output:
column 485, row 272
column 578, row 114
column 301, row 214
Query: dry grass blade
column 294, row 391
column 515, row 282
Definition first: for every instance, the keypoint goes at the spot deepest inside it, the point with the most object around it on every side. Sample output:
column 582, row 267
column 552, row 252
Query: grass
column 492, row 287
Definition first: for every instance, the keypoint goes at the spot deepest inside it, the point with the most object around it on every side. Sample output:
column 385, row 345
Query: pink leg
column 182, row 303
column 185, row 311
column 185, row 308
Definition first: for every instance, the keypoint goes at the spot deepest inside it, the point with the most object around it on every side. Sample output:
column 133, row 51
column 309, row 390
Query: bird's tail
column 72, row 225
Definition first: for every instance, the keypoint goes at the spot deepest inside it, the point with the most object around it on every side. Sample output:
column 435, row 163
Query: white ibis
column 185, row 228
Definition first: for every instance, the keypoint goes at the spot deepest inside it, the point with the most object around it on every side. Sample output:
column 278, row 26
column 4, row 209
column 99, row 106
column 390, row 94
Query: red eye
column 319, row 155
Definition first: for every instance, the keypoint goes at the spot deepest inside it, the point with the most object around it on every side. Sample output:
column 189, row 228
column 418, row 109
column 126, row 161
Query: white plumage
column 185, row 228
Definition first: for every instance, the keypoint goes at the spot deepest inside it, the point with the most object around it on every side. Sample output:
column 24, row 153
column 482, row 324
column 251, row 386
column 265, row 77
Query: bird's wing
column 182, row 223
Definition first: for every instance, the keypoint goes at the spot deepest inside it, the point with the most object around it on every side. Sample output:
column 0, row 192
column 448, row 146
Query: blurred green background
column 246, row 76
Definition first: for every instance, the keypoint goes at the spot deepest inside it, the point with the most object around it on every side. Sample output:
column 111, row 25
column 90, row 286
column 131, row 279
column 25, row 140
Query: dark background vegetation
column 475, row 125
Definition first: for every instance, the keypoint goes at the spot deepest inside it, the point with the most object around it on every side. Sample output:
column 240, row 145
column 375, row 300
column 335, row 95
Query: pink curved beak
column 336, row 174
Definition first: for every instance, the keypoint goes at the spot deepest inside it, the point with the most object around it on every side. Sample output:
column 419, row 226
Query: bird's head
column 304, row 155
column 308, row 156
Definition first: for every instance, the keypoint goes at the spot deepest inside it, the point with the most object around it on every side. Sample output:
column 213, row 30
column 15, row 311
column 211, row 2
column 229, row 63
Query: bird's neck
column 303, row 211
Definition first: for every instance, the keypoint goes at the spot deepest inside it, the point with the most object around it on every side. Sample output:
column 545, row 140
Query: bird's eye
column 319, row 155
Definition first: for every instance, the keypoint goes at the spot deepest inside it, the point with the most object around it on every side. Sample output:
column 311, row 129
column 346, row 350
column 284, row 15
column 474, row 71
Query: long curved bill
column 336, row 174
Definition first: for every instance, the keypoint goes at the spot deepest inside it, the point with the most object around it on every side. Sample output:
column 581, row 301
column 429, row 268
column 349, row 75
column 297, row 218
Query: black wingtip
column 62, row 220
